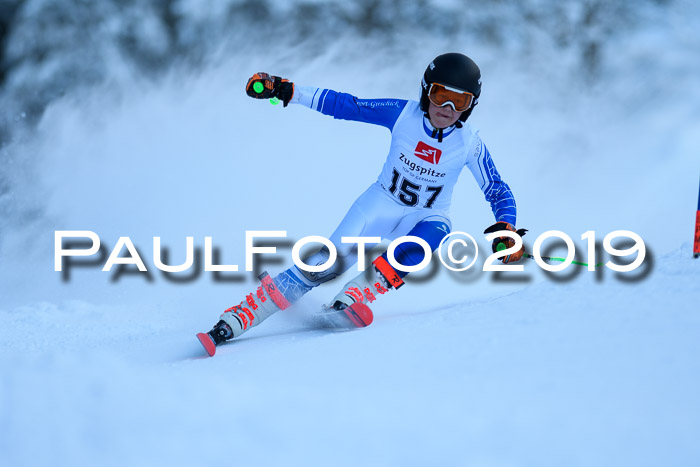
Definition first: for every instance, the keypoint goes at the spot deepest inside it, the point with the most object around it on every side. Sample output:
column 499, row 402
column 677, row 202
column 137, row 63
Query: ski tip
column 360, row 314
column 207, row 342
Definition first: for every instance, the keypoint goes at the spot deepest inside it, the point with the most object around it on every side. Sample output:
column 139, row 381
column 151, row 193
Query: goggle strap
column 449, row 88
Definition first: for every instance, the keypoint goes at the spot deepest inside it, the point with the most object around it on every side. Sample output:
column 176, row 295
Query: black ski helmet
column 455, row 70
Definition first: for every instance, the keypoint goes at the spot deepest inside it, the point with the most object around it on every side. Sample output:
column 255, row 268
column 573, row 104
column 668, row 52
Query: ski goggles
column 442, row 95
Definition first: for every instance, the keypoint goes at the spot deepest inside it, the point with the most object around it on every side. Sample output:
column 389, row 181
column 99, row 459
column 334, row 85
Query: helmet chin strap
column 437, row 132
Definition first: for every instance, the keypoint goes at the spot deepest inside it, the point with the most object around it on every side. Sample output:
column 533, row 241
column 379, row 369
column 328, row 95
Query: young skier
column 430, row 145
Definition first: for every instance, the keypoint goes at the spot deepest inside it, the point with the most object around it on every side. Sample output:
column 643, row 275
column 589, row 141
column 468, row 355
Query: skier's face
column 442, row 117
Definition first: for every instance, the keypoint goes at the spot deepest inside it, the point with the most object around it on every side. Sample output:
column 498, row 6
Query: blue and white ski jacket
column 419, row 171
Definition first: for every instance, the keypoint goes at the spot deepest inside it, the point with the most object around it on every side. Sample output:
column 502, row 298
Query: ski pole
column 502, row 246
column 258, row 88
column 554, row 258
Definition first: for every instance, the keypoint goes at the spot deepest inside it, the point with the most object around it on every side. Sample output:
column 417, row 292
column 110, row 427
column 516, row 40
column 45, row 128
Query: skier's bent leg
column 290, row 285
column 312, row 279
column 382, row 277
column 272, row 295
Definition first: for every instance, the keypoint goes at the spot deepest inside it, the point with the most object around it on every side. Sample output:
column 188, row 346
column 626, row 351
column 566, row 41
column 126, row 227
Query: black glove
column 269, row 87
column 507, row 241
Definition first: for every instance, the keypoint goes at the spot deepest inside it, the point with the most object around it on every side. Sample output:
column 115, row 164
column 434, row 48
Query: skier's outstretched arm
column 497, row 193
column 339, row 105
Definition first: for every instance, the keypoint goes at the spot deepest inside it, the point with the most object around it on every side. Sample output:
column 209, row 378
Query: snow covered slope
column 576, row 374
column 589, row 370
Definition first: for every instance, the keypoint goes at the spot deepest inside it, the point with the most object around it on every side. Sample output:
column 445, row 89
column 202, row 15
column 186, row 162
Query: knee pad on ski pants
column 432, row 230
column 318, row 258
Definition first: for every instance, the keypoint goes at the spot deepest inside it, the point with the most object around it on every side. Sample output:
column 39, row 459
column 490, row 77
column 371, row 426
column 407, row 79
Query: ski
column 360, row 314
column 207, row 342
column 357, row 315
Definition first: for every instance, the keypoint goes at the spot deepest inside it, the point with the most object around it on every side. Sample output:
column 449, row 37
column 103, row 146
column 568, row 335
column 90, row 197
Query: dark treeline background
column 52, row 48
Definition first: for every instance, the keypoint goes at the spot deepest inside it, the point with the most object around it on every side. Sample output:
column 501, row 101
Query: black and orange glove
column 507, row 241
column 269, row 87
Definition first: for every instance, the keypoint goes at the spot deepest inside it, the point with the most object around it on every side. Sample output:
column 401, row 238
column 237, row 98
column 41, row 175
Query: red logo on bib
column 427, row 153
